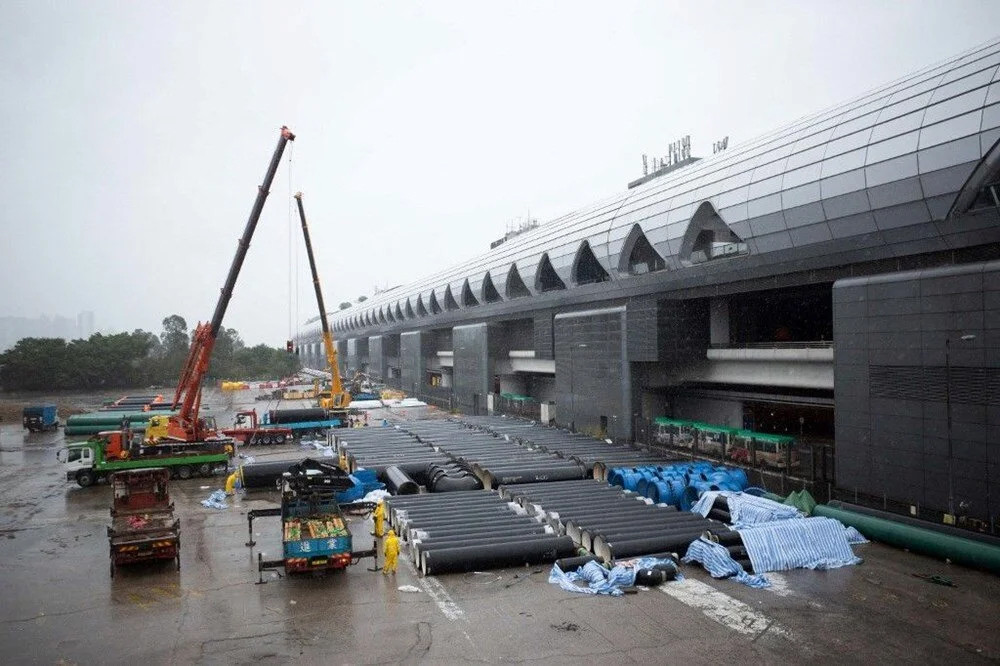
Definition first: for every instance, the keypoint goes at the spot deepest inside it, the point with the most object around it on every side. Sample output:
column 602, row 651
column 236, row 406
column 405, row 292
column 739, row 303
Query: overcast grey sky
column 135, row 133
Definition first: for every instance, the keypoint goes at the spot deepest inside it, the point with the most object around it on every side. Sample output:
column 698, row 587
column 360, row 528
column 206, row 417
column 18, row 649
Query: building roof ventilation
column 547, row 279
column 708, row 238
column 468, row 300
column 586, row 268
column 638, row 256
column 515, row 287
column 490, row 293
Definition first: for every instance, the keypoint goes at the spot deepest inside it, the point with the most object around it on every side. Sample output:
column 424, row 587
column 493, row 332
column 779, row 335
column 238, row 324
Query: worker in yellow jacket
column 391, row 553
column 379, row 520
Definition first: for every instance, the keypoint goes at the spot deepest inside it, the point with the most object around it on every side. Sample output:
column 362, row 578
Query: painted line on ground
column 722, row 608
column 435, row 590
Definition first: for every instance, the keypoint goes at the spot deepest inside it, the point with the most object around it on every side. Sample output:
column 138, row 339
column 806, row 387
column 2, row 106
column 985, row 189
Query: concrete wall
column 717, row 412
column 411, row 361
column 376, row 357
column 592, row 370
column 892, row 376
column 473, row 374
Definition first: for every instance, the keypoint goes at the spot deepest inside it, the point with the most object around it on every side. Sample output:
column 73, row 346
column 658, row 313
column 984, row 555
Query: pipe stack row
column 609, row 521
column 679, row 485
column 494, row 460
column 597, row 456
column 472, row 531
column 382, row 449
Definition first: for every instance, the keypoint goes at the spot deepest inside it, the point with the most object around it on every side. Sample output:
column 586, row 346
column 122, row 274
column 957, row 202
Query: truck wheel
column 85, row 478
column 266, row 439
column 204, row 469
column 279, row 439
column 184, row 472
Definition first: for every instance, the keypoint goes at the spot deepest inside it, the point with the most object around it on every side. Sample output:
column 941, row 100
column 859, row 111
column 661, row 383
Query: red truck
column 251, row 433
column 143, row 527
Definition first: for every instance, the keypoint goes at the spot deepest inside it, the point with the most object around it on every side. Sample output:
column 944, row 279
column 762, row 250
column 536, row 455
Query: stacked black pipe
column 471, row 531
column 495, row 460
column 610, row 522
column 597, row 456
column 380, row 448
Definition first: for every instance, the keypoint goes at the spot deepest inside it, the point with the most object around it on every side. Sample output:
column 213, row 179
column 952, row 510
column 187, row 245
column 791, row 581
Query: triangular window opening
column 399, row 312
column 639, row 256
column 548, row 279
column 388, row 314
column 381, row 316
column 708, row 238
column 409, row 310
column 435, row 308
column 586, row 268
column 490, row 293
column 515, row 285
column 421, row 310
column 449, row 301
column 468, row 300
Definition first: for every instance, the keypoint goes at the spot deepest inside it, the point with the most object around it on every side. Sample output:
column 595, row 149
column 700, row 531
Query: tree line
column 139, row 358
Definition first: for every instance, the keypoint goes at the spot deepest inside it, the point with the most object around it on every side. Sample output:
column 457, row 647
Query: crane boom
column 184, row 425
column 339, row 398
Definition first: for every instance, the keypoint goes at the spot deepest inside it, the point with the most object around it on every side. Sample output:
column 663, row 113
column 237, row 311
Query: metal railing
column 796, row 344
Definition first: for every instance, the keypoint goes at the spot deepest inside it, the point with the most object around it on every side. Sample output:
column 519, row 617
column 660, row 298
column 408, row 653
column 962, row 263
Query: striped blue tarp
column 720, row 564
column 809, row 543
column 746, row 509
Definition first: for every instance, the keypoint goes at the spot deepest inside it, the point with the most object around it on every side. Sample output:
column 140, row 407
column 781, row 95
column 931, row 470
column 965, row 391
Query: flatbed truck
column 315, row 534
column 104, row 454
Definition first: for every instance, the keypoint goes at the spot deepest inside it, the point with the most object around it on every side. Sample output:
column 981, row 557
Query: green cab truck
column 105, row 453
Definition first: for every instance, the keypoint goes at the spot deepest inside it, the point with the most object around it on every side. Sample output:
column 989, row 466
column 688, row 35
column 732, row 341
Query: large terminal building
column 836, row 280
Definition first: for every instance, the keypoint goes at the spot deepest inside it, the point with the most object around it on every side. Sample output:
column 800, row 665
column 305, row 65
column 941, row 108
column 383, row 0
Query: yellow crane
column 335, row 397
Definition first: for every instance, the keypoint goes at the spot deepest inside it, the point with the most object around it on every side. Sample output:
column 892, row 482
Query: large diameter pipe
column 917, row 539
column 630, row 547
column 591, row 540
column 470, row 558
column 917, row 522
column 296, row 415
column 399, row 483
column 530, row 475
column 493, row 529
column 426, row 545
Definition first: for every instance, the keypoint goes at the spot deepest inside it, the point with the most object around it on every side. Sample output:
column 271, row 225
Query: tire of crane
column 204, row 469
column 266, row 440
column 279, row 439
column 184, row 472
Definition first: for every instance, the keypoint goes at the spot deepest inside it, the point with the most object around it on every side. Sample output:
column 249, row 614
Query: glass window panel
column 799, row 196
column 916, row 95
column 951, row 129
column 895, row 192
column 764, row 187
column 806, row 174
column 765, row 171
column 955, row 106
column 733, row 197
column 818, row 137
column 946, row 181
column 959, row 87
column 987, row 139
column 897, row 126
column 894, row 147
column 851, row 181
column 803, row 215
column 767, row 224
column 852, row 126
column 949, row 154
column 894, row 169
column 772, row 242
column 845, row 162
column 991, row 117
column 733, row 214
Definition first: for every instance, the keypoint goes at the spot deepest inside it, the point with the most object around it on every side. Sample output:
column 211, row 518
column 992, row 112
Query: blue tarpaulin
column 746, row 509
column 809, row 543
column 720, row 564
column 601, row 580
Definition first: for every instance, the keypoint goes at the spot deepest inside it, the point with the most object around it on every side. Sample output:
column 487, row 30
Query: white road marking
column 779, row 585
column 722, row 608
column 433, row 587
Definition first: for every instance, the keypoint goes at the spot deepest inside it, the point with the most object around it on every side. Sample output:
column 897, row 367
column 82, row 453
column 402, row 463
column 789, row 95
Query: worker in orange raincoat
column 379, row 520
column 391, row 553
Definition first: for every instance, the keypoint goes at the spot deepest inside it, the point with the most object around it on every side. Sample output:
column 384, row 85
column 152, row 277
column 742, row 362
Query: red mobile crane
column 185, row 426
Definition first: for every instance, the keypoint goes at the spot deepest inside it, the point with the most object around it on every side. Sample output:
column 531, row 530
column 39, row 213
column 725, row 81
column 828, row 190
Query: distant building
column 85, row 324
column 13, row 329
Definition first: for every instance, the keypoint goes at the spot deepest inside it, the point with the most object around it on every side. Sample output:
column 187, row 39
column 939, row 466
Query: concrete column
column 411, row 361
column 719, row 321
column 376, row 357
column 473, row 370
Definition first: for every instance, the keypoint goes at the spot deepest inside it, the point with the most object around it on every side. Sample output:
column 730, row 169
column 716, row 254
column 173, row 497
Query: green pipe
column 112, row 418
column 917, row 539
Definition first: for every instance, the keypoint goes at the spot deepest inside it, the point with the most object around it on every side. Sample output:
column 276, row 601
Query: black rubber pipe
column 437, row 500
column 466, row 515
column 398, row 483
column 613, row 536
column 426, row 546
column 449, row 484
column 493, row 529
column 568, row 564
column 627, row 548
column 264, row 474
column 529, row 474
column 296, row 415
column 470, row 558
column 722, row 516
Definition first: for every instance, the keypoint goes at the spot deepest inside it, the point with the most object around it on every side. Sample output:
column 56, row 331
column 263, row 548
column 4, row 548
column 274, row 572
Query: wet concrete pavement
column 59, row 605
